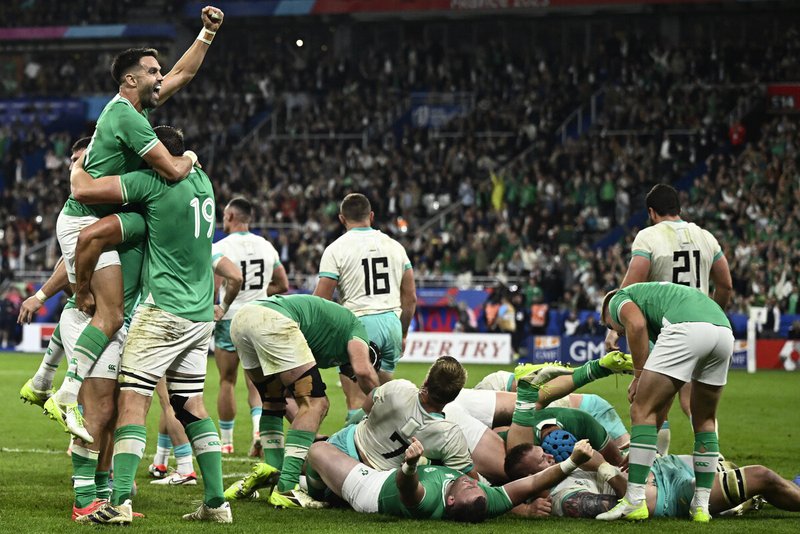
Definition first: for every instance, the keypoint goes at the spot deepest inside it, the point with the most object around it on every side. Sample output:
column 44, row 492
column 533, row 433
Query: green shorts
column 385, row 330
column 606, row 415
column 222, row 336
column 345, row 441
column 675, row 482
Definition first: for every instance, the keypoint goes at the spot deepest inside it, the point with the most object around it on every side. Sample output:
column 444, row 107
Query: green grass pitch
column 759, row 423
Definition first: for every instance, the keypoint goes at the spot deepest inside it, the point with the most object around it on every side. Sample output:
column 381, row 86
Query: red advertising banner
column 784, row 96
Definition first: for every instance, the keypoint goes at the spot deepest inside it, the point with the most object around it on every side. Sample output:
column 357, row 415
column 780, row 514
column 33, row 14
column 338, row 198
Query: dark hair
column 243, row 206
column 473, row 512
column 355, row 207
column 604, row 318
column 445, row 380
column 81, row 143
column 664, row 200
column 128, row 59
column 513, row 462
column 172, row 139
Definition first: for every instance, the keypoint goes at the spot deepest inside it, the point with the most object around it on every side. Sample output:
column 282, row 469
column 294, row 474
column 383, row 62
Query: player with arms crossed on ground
column 375, row 281
column 693, row 342
column 263, row 276
column 122, row 138
column 432, row 492
column 673, row 250
column 171, row 328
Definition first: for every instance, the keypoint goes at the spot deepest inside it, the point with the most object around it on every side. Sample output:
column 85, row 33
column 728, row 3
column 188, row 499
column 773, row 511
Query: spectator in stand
column 791, row 347
column 571, row 323
column 591, row 327
column 768, row 321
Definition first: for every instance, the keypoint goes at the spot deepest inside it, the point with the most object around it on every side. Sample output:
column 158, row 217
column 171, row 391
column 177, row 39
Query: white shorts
column 160, row 343
column 362, row 488
column 268, row 339
column 472, row 429
column 479, row 403
column 72, row 323
column 693, row 351
column 67, row 230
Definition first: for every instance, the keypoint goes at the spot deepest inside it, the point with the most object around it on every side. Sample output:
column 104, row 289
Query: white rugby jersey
column 397, row 415
column 679, row 252
column 256, row 257
column 579, row 480
column 368, row 266
column 497, row 381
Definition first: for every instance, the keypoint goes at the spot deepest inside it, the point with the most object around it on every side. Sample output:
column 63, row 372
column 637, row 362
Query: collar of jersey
column 436, row 415
column 360, row 229
column 240, row 233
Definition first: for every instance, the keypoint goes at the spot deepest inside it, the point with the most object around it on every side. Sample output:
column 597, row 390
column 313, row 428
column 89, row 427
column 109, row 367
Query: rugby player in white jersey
column 673, row 250
column 375, row 281
column 263, row 275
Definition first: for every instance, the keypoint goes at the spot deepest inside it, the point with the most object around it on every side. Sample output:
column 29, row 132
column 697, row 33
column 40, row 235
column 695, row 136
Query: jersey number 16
column 376, row 283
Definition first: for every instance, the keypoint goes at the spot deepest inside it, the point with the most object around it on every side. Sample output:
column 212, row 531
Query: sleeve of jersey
column 714, row 246
column 136, row 186
column 641, row 246
column 135, row 131
column 216, row 254
column 617, row 301
column 359, row 332
column 497, row 500
column 456, row 453
column 591, row 429
column 273, row 253
column 132, row 226
column 327, row 265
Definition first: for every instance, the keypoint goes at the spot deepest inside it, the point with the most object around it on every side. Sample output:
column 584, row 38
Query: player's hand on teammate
column 632, row 389
column 212, row 18
column 28, row 309
column 540, row 507
column 84, row 301
column 612, row 341
column 414, row 452
column 582, row 452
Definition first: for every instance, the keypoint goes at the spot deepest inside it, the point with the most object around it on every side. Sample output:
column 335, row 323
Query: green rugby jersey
column 577, row 422
column 675, row 303
column 327, row 326
column 436, row 479
column 177, row 275
column 131, row 255
column 122, row 137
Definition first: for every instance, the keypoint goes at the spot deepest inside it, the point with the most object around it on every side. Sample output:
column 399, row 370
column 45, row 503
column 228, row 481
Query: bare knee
column 108, row 320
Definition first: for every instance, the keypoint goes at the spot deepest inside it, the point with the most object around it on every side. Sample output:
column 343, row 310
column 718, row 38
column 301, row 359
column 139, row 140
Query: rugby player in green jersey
column 122, row 139
column 171, row 328
column 693, row 342
column 432, row 492
column 283, row 342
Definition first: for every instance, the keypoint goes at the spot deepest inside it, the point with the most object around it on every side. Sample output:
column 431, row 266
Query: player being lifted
column 673, row 250
column 171, row 328
column 375, row 281
column 263, row 275
column 122, row 138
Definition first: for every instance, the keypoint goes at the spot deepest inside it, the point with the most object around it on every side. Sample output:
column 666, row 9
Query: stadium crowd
column 530, row 207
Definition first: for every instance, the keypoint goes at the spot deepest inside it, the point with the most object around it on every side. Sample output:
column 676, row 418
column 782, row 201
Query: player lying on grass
column 542, row 384
column 503, row 383
column 398, row 411
column 592, row 489
column 431, row 492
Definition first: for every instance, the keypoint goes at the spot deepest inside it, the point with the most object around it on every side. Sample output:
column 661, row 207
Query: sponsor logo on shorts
column 112, row 367
column 364, row 472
